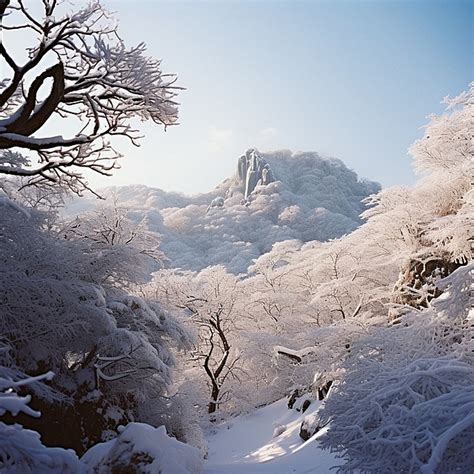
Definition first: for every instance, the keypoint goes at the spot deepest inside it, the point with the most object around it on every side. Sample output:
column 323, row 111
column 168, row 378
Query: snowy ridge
column 273, row 197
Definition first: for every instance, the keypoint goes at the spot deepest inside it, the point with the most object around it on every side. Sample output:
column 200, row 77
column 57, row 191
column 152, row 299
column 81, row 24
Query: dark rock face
column 299, row 400
column 323, row 390
column 305, row 405
column 416, row 285
column 293, row 397
column 64, row 423
column 253, row 170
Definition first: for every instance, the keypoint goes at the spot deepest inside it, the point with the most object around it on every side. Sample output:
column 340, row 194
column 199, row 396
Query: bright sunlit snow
column 251, row 444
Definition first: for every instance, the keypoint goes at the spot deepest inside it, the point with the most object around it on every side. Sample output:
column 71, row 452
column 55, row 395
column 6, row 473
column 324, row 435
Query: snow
column 21, row 452
column 11, row 402
column 151, row 447
column 294, row 353
column 247, row 445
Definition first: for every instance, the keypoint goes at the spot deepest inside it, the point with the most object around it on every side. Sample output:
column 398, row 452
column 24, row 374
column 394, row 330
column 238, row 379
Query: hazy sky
column 354, row 80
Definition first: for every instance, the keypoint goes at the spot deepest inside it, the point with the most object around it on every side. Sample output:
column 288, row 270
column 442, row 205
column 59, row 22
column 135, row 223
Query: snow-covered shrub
column 415, row 419
column 21, row 452
column 141, row 448
column 186, row 408
column 406, row 401
column 138, row 447
column 64, row 308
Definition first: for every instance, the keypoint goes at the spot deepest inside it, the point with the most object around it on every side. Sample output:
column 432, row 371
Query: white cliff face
column 273, row 197
column 253, row 170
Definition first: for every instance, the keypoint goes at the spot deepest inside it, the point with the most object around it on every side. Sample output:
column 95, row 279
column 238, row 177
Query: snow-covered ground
column 247, row 445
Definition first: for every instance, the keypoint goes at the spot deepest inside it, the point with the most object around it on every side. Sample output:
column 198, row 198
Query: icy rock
column 216, row 202
column 310, row 426
column 305, row 405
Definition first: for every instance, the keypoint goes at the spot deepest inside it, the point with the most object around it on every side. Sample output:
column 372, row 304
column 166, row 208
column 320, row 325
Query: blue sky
column 354, row 80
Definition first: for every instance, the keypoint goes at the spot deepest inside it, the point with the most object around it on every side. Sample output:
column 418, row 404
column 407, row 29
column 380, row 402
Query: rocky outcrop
column 216, row 202
column 253, row 170
column 310, row 426
column 416, row 285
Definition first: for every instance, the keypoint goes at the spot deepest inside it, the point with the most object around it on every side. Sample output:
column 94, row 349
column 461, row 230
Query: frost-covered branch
column 95, row 82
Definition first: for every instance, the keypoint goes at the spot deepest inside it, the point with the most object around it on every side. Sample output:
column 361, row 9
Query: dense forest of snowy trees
column 310, row 198
column 117, row 353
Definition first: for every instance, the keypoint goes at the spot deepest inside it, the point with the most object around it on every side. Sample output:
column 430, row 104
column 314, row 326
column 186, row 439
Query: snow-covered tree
column 272, row 300
column 77, row 74
column 109, row 231
column 405, row 403
column 61, row 310
column 213, row 303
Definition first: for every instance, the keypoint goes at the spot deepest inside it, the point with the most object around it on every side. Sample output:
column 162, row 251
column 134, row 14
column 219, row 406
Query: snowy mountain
column 272, row 197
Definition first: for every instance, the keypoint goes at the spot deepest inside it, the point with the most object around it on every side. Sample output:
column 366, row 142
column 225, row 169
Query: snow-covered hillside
column 272, row 197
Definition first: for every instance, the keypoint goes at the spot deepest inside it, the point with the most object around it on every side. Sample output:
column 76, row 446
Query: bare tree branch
column 95, row 78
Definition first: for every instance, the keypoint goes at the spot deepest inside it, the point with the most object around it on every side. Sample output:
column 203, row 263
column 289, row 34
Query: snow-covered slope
column 267, row 441
column 272, row 197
